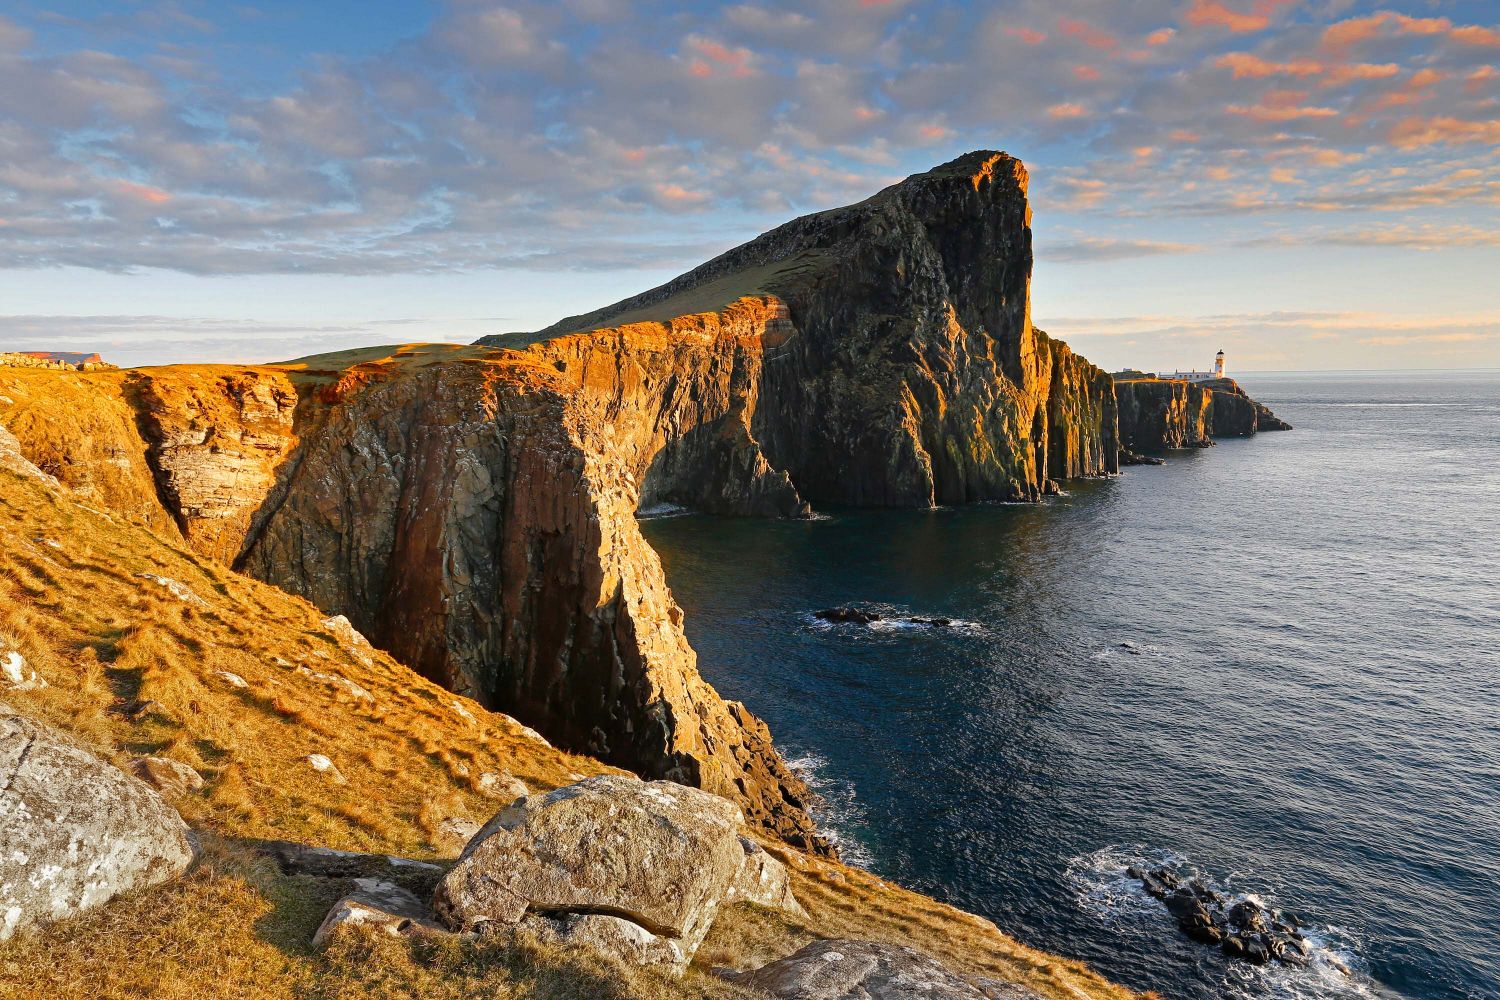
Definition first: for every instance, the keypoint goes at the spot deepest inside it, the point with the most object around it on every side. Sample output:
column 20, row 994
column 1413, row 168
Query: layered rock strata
column 471, row 510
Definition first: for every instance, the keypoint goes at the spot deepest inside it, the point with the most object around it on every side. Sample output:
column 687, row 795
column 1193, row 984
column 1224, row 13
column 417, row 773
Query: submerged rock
column 76, row 831
column 847, row 616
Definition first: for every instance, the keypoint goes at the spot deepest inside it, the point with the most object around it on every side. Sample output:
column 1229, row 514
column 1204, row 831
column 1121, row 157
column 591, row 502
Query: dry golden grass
column 133, row 670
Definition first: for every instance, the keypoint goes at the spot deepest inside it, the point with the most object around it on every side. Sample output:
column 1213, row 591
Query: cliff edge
column 472, row 509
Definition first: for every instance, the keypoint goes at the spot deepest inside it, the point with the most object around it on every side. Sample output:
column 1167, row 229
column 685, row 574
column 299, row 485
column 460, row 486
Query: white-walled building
column 1197, row 376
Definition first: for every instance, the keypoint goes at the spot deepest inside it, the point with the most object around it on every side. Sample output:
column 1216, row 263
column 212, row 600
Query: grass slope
column 134, row 669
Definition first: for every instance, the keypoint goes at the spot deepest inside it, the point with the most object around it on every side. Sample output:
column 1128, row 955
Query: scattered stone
column 76, row 831
column 502, row 785
column 381, row 905
column 172, row 778
column 613, row 936
column 15, row 674
column 325, row 862
column 453, row 834
column 355, row 644
column 324, row 766
column 281, row 661
column 858, row 970
column 233, row 680
column 464, row 713
column 659, row 854
column 178, row 590
column 338, row 681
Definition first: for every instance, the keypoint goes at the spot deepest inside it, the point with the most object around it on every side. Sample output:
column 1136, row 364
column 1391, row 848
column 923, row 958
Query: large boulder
column 657, row 854
column 74, row 830
column 859, row 970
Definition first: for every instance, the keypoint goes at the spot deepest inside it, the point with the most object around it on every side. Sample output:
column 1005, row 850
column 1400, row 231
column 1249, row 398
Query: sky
column 1306, row 185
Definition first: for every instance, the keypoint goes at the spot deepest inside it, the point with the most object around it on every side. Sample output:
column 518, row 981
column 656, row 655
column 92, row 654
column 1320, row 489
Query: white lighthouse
column 1218, row 371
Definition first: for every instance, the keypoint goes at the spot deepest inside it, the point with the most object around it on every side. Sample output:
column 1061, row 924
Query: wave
column 1103, row 890
column 835, row 808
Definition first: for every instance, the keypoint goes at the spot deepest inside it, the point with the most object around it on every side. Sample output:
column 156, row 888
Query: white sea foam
column 835, row 807
column 893, row 620
column 1335, row 970
column 660, row 510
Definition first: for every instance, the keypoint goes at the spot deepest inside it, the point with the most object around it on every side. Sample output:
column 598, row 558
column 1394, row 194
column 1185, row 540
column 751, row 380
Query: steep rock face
column 472, row 510
column 910, row 374
column 1156, row 415
column 215, row 441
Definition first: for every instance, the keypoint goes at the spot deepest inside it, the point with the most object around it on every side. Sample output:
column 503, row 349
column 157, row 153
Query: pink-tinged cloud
column 679, row 195
column 1281, row 106
column 1184, row 135
column 865, row 113
column 1247, row 66
column 1474, row 35
column 1067, row 111
column 1356, row 30
column 1475, row 81
column 1028, row 35
column 933, row 133
column 1416, row 132
column 735, row 61
column 1359, row 71
column 636, row 154
column 1088, row 34
column 1086, row 73
column 1284, row 175
column 143, row 192
column 1207, row 14
column 1161, row 36
column 1412, row 91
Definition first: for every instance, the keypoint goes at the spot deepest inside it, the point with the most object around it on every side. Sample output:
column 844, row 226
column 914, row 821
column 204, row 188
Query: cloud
column 1414, row 132
column 1090, row 249
column 1206, row 13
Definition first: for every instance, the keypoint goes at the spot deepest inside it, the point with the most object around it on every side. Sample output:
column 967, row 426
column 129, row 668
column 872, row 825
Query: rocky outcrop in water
column 1242, row 928
column 1161, row 414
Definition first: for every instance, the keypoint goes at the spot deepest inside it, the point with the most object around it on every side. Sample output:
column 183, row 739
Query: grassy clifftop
column 245, row 683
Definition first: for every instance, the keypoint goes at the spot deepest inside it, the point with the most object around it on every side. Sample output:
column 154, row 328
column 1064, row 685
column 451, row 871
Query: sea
column 1274, row 662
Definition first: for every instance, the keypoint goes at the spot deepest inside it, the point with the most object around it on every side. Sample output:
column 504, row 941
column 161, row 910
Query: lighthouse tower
column 1219, row 365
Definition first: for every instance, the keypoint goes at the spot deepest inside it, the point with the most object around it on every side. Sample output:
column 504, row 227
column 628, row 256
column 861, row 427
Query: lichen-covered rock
column 453, row 834
column 615, row 937
column 381, row 905
column 858, row 970
column 172, row 778
column 765, row 881
column 658, row 854
column 75, row 831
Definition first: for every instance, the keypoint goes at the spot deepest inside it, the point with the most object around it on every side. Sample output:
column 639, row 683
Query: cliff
column 1161, row 414
column 471, row 510
column 909, row 372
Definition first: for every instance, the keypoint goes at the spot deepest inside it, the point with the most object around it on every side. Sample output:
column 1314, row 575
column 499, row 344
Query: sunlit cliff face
column 1277, row 175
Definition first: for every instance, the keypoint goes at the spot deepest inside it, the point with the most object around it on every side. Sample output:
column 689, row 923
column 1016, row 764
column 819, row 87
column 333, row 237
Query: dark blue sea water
column 1308, row 710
